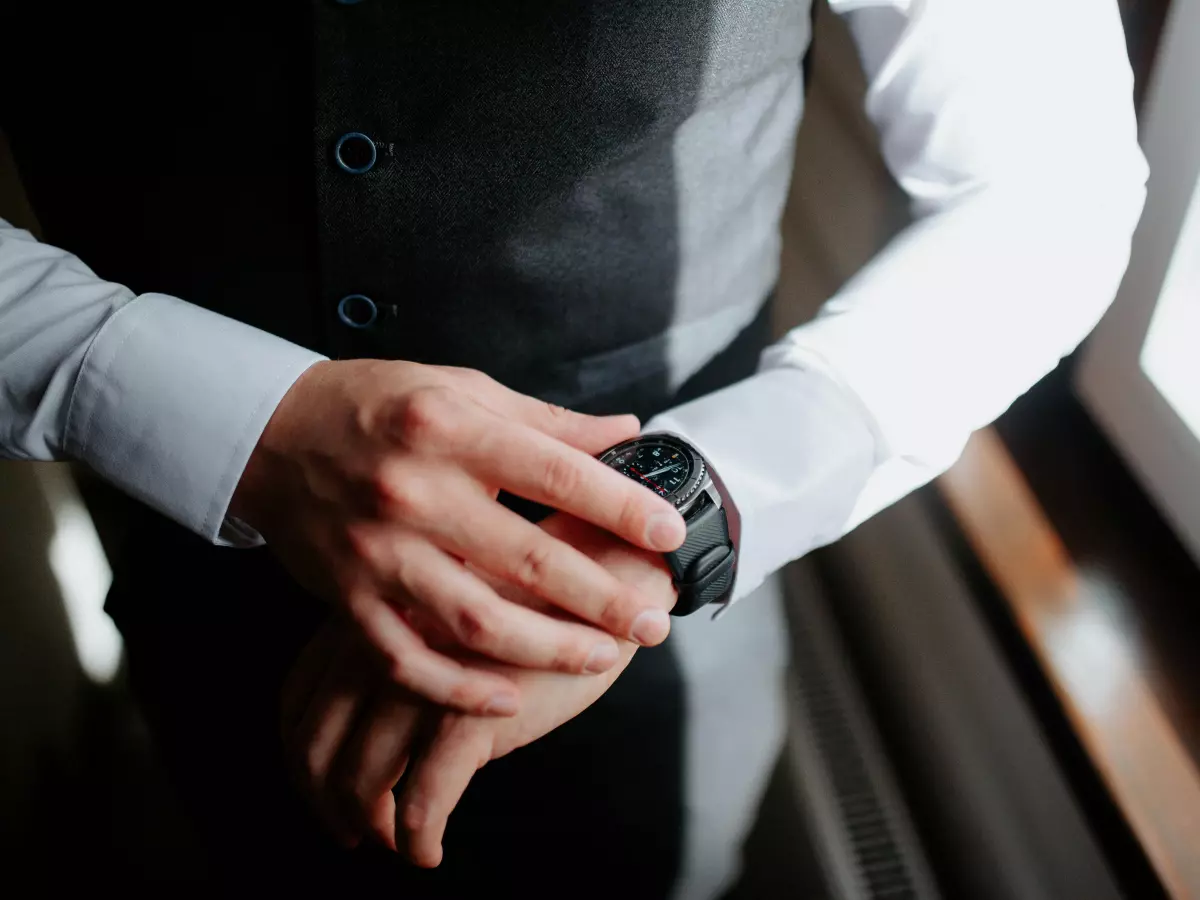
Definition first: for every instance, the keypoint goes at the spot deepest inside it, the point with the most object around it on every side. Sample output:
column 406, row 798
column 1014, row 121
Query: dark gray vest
column 581, row 199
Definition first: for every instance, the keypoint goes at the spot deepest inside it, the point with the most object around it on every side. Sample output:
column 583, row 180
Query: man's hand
column 375, row 484
column 349, row 741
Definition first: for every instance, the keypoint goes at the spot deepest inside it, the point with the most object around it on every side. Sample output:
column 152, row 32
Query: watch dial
column 660, row 467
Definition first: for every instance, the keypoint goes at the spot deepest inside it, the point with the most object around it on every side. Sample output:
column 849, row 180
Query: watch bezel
column 684, row 497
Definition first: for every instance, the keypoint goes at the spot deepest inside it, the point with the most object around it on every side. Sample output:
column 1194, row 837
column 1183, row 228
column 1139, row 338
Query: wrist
column 244, row 505
column 703, row 568
column 251, row 501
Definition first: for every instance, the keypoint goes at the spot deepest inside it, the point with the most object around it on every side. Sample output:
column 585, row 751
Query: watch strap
column 704, row 566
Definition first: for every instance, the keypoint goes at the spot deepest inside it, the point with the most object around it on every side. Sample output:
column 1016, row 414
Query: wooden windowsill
column 1137, row 721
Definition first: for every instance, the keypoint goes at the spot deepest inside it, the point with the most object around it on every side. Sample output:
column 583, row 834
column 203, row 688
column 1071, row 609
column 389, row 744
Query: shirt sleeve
column 1010, row 125
column 162, row 398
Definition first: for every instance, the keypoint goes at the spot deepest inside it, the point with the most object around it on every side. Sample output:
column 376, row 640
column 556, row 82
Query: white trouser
column 733, row 670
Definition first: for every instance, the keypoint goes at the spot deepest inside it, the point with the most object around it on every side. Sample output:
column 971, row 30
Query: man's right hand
column 375, row 484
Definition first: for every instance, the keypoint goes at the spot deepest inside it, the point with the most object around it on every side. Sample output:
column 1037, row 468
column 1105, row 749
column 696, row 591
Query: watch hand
column 663, row 469
column 644, row 478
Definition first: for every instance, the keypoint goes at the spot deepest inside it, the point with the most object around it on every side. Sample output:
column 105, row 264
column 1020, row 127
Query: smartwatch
column 705, row 566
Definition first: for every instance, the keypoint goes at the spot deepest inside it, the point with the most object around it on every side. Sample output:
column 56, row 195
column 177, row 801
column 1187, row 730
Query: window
column 1140, row 375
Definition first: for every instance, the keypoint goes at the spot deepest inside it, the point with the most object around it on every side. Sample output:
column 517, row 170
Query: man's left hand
column 349, row 733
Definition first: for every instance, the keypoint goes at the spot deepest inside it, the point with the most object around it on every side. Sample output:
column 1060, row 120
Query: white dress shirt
column 1009, row 123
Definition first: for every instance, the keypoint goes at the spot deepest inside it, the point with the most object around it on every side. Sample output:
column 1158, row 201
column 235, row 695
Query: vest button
column 355, row 153
column 357, row 311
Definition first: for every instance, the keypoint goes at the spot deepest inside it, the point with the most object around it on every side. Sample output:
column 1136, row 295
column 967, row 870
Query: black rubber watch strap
column 705, row 565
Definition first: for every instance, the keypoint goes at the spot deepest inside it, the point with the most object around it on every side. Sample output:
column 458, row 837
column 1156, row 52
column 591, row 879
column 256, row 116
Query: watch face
column 657, row 465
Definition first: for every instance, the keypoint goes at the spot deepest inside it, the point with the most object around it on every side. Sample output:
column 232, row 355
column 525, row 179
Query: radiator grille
column 878, row 858
column 863, row 832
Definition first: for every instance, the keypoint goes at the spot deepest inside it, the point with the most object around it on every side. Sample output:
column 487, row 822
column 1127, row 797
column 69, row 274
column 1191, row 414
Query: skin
column 375, row 484
column 349, row 738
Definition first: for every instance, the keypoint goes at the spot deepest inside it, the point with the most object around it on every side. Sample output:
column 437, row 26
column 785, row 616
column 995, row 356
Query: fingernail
column 502, row 704
column 602, row 658
column 651, row 627
column 666, row 531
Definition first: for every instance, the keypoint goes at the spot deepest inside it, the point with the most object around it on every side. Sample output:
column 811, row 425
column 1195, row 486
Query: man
column 581, row 201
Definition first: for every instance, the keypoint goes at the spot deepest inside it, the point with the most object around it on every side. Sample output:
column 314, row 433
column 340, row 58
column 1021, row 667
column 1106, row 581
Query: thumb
column 459, row 748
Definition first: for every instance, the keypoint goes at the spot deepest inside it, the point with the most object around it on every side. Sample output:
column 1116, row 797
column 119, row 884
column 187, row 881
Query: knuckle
column 560, row 478
column 413, row 817
column 616, row 610
column 475, row 627
column 313, row 765
column 631, row 518
column 534, row 565
column 361, row 544
column 572, row 655
column 357, row 796
column 369, row 420
column 402, row 497
column 558, row 413
column 461, row 696
column 360, row 603
column 476, row 380
column 426, row 418
column 403, row 569
column 399, row 669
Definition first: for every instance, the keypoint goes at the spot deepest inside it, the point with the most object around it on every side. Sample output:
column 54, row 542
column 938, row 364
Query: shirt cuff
column 171, row 400
column 794, row 450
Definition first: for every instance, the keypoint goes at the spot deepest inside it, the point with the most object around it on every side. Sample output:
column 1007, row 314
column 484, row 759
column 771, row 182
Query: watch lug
column 714, row 495
column 706, row 487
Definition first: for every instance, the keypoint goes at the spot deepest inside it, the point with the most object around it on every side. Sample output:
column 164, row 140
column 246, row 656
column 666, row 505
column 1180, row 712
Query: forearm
column 1026, row 183
column 162, row 398
column 51, row 309
column 996, row 291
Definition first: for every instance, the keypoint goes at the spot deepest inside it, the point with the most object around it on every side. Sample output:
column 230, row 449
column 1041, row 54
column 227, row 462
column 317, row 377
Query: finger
column 505, row 545
column 322, row 731
column 472, row 614
column 383, row 820
column 412, row 664
column 443, row 424
column 305, row 676
column 374, row 760
column 533, row 465
column 458, row 750
column 591, row 434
